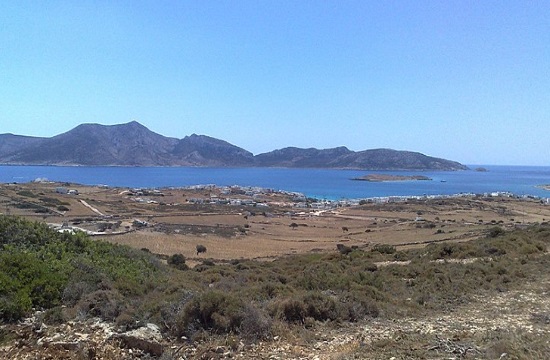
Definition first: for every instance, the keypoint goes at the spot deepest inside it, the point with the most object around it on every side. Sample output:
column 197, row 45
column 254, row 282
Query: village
column 253, row 222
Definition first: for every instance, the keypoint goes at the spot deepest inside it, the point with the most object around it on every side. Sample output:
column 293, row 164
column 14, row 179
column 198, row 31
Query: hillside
column 342, row 158
column 201, row 150
column 10, row 143
column 132, row 144
column 479, row 299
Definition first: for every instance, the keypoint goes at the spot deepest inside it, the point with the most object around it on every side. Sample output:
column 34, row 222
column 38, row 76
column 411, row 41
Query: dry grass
column 231, row 232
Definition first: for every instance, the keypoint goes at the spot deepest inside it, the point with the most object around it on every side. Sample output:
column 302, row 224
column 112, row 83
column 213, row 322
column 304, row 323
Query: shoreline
column 325, row 184
column 313, row 200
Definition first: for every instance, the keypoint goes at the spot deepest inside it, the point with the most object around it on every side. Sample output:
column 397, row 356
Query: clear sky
column 462, row 80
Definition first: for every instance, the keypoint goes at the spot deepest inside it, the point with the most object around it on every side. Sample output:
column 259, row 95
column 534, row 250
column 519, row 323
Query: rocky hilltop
column 133, row 144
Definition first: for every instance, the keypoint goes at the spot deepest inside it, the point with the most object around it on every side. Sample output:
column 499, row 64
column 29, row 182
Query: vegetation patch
column 72, row 276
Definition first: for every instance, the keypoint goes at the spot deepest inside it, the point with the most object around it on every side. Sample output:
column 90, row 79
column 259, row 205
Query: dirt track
column 169, row 222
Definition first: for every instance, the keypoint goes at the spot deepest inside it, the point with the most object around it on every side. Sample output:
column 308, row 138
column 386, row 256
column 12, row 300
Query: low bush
column 495, row 232
column 343, row 249
column 105, row 304
column 290, row 310
column 212, row 310
column 355, row 306
column 178, row 261
column 255, row 324
column 384, row 249
column 320, row 307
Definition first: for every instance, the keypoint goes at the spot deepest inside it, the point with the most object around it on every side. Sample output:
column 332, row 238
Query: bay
column 320, row 183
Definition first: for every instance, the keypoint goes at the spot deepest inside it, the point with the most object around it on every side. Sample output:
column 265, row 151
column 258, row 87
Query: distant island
column 132, row 144
column 480, row 169
column 384, row 178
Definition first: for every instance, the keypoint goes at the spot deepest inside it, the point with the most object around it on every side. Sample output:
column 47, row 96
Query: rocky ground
column 507, row 325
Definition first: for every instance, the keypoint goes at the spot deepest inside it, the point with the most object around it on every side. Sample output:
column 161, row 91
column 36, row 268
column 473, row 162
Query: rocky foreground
column 499, row 326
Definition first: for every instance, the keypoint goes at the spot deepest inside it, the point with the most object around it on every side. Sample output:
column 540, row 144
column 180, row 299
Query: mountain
column 380, row 159
column 133, row 144
column 343, row 158
column 92, row 144
column 10, row 143
column 130, row 144
column 201, row 150
column 304, row 158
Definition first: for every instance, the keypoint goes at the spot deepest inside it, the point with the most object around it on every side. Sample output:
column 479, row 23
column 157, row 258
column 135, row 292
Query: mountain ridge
column 133, row 144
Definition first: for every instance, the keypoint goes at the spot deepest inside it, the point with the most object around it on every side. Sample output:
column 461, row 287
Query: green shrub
column 41, row 268
column 384, row 249
column 27, row 193
column 178, row 261
column 212, row 310
column 26, row 281
column 495, row 232
column 208, row 262
column 319, row 306
column 371, row 267
column 54, row 316
column 14, row 305
column 290, row 310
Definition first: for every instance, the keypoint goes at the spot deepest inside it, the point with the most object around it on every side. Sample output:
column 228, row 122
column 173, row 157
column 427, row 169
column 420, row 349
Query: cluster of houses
column 300, row 201
column 257, row 196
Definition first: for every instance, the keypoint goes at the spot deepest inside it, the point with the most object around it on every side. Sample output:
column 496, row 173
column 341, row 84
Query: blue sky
column 463, row 80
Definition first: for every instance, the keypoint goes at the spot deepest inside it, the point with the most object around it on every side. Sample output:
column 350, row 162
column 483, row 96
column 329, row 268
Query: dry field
column 174, row 225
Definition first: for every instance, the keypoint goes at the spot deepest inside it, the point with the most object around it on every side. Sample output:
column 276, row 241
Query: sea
column 329, row 184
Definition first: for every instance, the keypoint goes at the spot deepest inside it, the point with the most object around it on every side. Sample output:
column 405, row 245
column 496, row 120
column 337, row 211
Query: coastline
column 319, row 183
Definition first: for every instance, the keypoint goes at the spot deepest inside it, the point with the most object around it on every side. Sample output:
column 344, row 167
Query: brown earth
column 174, row 225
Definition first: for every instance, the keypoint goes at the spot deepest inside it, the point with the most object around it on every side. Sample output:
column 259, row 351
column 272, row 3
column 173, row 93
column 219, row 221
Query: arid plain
column 232, row 224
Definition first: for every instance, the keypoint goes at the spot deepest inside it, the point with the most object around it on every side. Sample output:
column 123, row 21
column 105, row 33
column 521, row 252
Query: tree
column 201, row 249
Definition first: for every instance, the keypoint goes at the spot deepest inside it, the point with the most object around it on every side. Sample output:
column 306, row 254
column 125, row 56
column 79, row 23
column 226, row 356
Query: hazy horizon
column 464, row 81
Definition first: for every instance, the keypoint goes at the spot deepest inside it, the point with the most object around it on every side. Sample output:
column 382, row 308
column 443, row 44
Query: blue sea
column 320, row 183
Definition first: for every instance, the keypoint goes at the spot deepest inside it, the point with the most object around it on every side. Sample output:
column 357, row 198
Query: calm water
column 320, row 183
